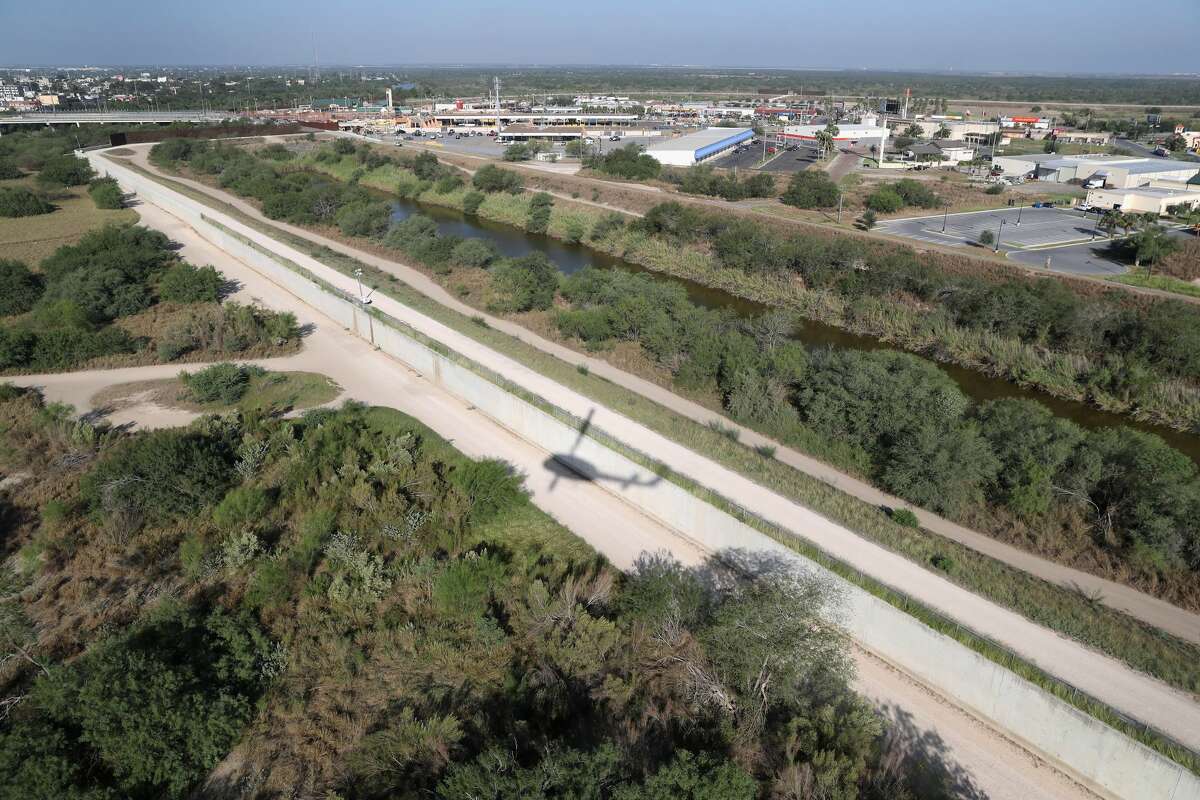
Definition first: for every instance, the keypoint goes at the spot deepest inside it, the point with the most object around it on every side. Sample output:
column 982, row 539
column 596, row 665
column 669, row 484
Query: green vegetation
column 70, row 311
column 627, row 162
column 889, row 198
column 224, row 383
column 811, row 189
column 20, row 289
column 1063, row 610
column 491, row 178
column 106, row 193
column 10, row 171
column 65, row 170
column 317, row 559
column 914, row 462
column 705, row 180
column 19, row 201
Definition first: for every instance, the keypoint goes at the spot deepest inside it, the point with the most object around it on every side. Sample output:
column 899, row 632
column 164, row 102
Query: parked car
column 614, row 138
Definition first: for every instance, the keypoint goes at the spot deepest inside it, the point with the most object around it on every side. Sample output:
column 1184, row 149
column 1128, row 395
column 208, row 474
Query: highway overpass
column 113, row 117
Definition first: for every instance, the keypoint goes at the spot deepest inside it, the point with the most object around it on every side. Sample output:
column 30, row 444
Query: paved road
column 951, row 740
column 841, row 165
column 1135, row 694
column 1119, row 596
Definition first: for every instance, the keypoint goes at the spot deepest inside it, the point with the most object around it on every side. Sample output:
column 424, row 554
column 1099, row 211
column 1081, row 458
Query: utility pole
column 945, row 219
column 840, row 196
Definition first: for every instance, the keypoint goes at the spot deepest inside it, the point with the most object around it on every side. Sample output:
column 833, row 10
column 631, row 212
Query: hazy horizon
column 1021, row 37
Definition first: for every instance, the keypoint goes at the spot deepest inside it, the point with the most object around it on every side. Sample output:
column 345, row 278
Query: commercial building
column 1082, row 137
column 1117, row 172
column 473, row 118
column 1143, row 200
column 850, row 134
column 972, row 132
column 942, row 150
column 692, row 148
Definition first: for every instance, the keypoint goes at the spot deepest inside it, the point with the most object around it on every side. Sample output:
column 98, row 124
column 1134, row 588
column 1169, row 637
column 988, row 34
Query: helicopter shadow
column 573, row 467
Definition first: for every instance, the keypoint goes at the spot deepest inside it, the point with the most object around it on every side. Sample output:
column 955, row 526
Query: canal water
column 570, row 258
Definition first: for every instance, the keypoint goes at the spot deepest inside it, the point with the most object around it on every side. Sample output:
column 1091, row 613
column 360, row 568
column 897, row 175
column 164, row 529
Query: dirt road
column 951, row 741
column 1159, row 613
column 1135, row 694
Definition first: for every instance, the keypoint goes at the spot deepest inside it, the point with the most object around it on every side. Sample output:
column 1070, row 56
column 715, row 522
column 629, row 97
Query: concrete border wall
column 1102, row 757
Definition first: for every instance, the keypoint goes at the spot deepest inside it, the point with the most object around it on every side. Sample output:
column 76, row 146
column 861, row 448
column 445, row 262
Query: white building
column 846, row 133
column 1143, row 200
column 1117, row 172
column 692, row 148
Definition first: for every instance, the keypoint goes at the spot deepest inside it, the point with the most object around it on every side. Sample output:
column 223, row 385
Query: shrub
column 540, row 206
column 9, row 171
column 343, row 146
column 221, row 383
column 626, row 162
column 527, row 283
column 884, row 200
column 160, row 475
column 811, row 189
column 994, row 189
column 17, row 201
column 65, row 170
column 183, row 283
column 869, row 219
column 369, row 218
column 915, row 193
column 243, row 506
column 517, row 152
column 473, row 253
column 146, row 713
column 20, row 289
column 905, row 517
column 471, row 202
column 106, row 193
column 491, row 486
column 448, row 183
column 986, row 237
column 491, row 178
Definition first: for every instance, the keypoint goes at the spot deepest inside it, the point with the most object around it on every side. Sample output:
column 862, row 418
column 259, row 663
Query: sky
column 1039, row 36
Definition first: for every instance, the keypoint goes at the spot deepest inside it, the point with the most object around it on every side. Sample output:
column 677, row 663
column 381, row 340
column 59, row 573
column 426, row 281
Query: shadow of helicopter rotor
column 572, row 467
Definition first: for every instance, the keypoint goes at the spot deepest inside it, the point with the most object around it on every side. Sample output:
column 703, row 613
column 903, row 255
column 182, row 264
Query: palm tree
column 1152, row 244
column 1110, row 222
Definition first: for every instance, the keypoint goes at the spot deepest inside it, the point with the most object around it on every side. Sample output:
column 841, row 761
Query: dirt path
column 1135, row 694
column 1159, row 613
column 955, row 743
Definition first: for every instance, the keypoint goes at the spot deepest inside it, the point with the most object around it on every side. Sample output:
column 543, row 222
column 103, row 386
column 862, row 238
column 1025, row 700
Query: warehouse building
column 1143, row 200
column 692, row 148
column 1116, row 172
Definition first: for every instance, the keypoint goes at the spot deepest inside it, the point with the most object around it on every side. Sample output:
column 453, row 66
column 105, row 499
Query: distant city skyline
column 1018, row 37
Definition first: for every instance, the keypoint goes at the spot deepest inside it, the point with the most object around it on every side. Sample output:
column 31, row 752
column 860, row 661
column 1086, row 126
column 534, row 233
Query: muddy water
column 570, row 258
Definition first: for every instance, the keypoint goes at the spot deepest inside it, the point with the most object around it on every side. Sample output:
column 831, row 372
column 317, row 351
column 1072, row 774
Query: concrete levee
column 1099, row 755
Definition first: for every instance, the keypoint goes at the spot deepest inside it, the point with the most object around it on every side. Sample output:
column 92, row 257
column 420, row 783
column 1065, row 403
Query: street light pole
column 945, row 219
column 1019, row 210
column 999, row 233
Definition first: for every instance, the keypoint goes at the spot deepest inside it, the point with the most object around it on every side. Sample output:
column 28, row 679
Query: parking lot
column 1016, row 228
column 786, row 162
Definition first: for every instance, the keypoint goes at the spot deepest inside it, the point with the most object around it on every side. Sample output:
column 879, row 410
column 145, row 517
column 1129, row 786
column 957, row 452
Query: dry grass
column 31, row 239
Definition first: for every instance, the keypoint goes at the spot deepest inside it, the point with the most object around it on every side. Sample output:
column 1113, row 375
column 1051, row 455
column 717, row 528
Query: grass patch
column 1163, row 283
column 31, row 239
column 270, row 392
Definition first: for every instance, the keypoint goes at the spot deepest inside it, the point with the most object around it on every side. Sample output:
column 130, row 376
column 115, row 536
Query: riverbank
column 1066, row 610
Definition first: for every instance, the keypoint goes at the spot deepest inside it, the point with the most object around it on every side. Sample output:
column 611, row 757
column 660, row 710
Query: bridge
column 113, row 117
